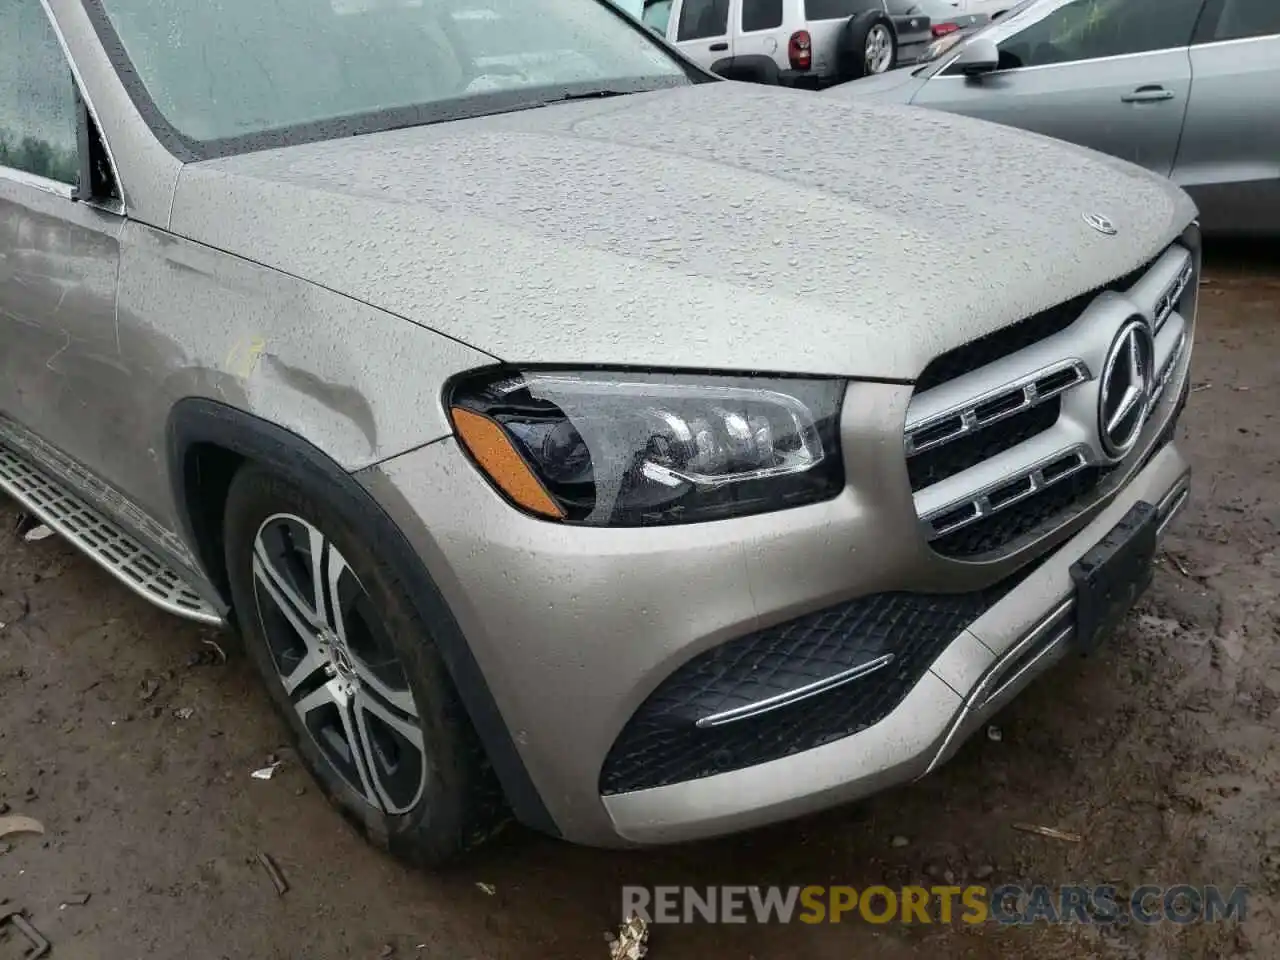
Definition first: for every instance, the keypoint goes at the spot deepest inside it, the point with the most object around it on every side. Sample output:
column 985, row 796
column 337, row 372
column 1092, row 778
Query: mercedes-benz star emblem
column 1100, row 223
column 1124, row 399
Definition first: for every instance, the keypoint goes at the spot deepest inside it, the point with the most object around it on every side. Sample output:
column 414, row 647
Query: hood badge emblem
column 1100, row 223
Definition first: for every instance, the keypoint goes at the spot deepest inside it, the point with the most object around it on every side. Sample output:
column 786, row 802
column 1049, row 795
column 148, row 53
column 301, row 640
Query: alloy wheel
column 879, row 49
column 337, row 665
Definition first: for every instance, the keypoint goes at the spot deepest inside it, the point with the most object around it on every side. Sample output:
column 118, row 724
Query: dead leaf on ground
column 632, row 940
column 12, row 826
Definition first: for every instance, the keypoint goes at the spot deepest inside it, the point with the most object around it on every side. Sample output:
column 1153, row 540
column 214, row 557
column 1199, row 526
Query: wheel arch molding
column 197, row 426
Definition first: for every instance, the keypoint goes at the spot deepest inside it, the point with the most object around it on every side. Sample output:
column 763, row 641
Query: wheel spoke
column 402, row 700
column 321, row 696
column 332, row 694
column 287, row 602
column 337, row 566
column 286, row 597
column 313, row 662
column 366, row 750
column 357, row 738
column 407, row 731
column 316, row 548
column 405, row 728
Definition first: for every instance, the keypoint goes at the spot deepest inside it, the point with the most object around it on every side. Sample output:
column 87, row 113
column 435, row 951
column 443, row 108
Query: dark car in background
column 941, row 19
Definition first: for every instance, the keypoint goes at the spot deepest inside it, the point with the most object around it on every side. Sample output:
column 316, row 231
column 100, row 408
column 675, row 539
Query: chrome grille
column 932, row 466
column 983, row 411
column 1015, row 436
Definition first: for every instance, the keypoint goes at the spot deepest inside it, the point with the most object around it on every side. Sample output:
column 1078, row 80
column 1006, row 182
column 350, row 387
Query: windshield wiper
column 602, row 94
column 574, row 96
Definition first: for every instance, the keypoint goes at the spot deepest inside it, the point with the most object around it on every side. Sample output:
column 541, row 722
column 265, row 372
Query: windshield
column 226, row 75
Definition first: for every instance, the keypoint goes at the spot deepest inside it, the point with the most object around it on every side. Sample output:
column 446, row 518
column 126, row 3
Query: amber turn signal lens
column 486, row 441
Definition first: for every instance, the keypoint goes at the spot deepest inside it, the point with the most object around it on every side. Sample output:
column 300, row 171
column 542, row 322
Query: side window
column 703, row 18
column 37, row 96
column 761, row 15
column 657, row 14
column 1091, row 29
column 1245, row 19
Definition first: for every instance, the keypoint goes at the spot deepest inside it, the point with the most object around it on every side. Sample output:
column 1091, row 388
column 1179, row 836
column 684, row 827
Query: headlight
column 628, row 449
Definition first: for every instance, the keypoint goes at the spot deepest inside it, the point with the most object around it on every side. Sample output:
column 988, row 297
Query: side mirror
column 980, row 55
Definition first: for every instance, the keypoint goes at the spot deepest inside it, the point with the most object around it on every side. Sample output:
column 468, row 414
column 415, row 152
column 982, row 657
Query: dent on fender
column 347, row 403
column 316, row 374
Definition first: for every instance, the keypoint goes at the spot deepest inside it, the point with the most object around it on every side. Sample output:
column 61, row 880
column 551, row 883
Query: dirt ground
column 1160, row 752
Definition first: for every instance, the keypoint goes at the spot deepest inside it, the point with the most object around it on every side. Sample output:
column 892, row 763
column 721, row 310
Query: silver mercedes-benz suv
column 564, row 430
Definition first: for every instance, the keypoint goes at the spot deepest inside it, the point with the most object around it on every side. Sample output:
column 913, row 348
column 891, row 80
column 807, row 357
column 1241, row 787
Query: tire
column 851, row 54
column 419, row 785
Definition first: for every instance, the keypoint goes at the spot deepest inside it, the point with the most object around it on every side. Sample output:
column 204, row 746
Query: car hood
column 719, row 226
column 896, row 86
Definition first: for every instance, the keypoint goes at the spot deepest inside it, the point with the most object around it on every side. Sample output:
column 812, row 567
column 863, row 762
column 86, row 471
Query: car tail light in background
column 800, row 50
column 942, row 29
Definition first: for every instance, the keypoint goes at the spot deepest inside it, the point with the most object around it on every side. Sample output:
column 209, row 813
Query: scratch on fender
column 59, row 352
column 243, row 358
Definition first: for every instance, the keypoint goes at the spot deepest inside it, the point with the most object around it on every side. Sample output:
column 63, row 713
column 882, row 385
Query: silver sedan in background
column 1187, row 88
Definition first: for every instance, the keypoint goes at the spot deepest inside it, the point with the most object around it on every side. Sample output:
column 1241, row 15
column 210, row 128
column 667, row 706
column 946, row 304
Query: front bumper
column 805, row 80
column 984, row 668
column 574, row 628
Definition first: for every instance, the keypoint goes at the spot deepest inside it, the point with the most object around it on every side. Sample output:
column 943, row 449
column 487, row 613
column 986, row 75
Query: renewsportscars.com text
column 973, row 904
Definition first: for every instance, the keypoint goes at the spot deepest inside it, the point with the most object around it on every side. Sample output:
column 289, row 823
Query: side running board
column 116, row 551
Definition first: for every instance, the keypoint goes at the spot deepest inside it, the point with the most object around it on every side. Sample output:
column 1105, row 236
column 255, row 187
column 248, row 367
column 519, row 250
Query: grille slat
column 992, row 533
column 935, row 465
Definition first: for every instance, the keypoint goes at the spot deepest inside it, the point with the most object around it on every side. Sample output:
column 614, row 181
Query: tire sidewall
column 434, row 829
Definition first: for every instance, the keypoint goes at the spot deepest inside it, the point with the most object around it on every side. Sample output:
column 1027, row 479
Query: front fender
column 360, row 384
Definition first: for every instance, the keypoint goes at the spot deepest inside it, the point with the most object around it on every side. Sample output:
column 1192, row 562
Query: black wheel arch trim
column 718, row 68
column 200, row 421
column 762, row 68
column 868, row 16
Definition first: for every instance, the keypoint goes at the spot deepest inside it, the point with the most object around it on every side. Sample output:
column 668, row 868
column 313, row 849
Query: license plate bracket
column 1111, row 576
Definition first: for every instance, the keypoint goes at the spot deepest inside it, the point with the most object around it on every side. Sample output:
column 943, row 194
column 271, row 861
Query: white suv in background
column 989, row 8
column 793, row 42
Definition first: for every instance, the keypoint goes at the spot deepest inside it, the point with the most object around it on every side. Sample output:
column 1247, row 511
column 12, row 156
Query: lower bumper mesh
column 662, row 743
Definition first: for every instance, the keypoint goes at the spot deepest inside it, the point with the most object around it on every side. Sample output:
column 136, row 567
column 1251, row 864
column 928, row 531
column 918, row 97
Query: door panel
column 57, row 314
column 1230, row 155
column 1115, row 77
column 702, row 30
column 58, row 258
column 758, row 32
column 1087, row 103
